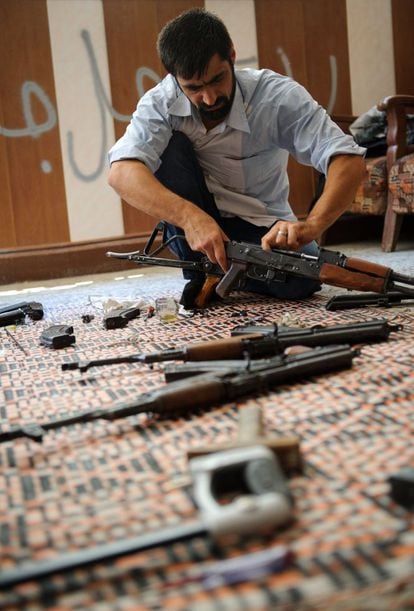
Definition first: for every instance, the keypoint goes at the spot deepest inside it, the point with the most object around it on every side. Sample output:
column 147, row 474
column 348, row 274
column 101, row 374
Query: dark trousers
column 181, row 173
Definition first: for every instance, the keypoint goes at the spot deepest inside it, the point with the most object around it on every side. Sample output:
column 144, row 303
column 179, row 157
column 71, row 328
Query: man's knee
column 179, row 152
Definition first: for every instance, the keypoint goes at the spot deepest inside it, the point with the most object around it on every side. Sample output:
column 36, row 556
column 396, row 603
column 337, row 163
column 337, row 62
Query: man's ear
column 233, row 55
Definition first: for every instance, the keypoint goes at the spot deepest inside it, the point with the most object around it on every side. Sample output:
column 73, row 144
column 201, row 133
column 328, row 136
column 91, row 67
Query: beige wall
column 239, row 17
column 86, row 128
column 371, row 56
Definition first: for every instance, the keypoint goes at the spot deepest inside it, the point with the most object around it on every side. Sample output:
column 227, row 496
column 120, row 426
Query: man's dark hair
column 188, row 42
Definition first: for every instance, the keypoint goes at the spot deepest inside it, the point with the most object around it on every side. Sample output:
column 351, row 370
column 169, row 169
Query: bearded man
column 207, row 149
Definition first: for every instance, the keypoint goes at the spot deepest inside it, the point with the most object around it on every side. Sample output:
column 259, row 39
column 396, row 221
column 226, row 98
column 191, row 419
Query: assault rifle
column 250, row 261
column 254, row 341
column 204, row 390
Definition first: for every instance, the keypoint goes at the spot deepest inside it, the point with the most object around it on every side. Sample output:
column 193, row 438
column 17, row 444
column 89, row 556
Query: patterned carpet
column 89, row 484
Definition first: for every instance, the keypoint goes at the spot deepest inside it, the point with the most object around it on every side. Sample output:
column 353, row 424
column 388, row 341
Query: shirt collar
column 237, row 118
column 181, row 107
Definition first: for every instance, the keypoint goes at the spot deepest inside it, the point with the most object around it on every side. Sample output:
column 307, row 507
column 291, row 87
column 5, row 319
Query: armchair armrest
column 397, row 107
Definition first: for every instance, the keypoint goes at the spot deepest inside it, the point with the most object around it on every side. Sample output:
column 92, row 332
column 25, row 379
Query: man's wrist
column 316, row 226
column 186, row 213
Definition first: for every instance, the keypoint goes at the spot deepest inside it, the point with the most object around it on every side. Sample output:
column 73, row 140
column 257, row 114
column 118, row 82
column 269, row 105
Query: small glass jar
column 166, row 309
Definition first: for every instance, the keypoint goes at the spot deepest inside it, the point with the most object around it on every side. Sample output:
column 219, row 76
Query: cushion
column 401, row 185
column 370, row 130
column 371, row 195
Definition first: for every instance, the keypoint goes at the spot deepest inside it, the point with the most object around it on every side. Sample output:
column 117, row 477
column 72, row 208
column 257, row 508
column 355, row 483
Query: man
column 207, row 149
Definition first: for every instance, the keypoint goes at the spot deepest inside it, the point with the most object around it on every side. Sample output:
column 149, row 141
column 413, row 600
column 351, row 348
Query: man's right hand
column 204, row 235
column 136, row 184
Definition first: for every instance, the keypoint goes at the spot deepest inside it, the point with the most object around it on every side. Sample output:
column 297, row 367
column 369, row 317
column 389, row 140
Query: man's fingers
column 220, row 256
column 282, row 235
column 215, row 251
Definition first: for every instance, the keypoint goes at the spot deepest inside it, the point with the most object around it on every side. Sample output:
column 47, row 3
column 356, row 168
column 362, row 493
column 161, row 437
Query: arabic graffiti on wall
column 34, row 130
column 32, row 89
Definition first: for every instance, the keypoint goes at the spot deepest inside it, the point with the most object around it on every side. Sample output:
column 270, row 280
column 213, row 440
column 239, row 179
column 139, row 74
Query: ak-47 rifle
column 250, row 261
column 205, row 390
column 252, row 342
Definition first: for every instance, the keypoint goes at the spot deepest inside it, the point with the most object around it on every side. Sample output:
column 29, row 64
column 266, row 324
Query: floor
column 114, row 481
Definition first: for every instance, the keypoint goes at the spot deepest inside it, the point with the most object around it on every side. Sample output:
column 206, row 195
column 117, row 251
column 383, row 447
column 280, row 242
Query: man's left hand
column 290, row 235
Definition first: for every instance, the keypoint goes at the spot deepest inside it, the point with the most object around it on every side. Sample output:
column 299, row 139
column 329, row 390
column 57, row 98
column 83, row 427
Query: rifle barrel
column 108, row 551
column 225, row 348
column 169, row 354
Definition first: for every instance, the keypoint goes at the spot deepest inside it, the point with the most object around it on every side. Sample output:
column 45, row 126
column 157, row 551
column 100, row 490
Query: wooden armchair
column 400, row 167
column 388, row 187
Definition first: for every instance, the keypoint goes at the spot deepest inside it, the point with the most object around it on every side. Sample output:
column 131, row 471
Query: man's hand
column 345, row 173
column 204, row 235
column 290, row 235
column 136, row 184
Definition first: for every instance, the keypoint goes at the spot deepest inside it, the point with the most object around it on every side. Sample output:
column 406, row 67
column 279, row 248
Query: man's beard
column 224, row 102
column 218, row 113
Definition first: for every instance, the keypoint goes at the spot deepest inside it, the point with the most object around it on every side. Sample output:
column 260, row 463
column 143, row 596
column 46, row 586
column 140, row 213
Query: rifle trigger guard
column 258, row 272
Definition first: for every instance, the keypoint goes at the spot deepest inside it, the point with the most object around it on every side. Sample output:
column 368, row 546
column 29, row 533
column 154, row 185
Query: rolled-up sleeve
column 306, row 130
column 148, row 132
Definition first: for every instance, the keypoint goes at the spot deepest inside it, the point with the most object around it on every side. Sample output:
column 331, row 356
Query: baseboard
column 65, row 260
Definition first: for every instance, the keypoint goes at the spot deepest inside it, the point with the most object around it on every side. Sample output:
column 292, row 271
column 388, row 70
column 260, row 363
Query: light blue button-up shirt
column 244, row 158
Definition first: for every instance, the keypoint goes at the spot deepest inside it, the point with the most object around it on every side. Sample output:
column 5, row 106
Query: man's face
column 212, row 94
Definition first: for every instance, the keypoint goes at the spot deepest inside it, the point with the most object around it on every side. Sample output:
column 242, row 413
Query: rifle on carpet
column 202, row 391
column 250, row 261
column 368, row 331
column 254, row 341
column 260, row 500
column 362, row 300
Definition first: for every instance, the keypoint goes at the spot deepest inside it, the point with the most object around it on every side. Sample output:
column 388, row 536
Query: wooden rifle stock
column 368, row 268
column 348, row 279
column 207, row 291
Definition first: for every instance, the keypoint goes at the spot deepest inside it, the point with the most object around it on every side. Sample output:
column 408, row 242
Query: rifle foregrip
column 339, row 276
column 206, row 390
column 367, row 267
column 220, row 349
